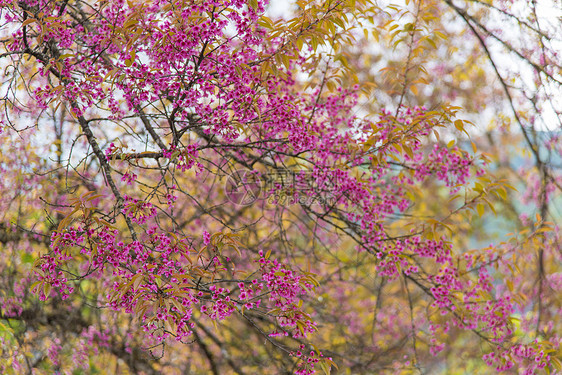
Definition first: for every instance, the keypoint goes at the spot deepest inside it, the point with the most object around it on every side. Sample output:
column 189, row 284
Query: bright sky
column 549, row 14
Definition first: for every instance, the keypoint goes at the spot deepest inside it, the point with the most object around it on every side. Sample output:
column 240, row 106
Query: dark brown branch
column 8, row 235
column 73, row 322
column 105, row 167
column 207, row 353
column 150, row 129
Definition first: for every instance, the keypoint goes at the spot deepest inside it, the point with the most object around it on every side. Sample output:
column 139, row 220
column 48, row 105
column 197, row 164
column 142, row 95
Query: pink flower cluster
column 451, row 166
column 528, row 358
column 155, row 280
column 53, row 352
column 129, row 178
column 186, row 158
column 285, row 288
column 50, row 266
column 307, row 361
column 110, row 150
column 137, row 210
column 150, row 55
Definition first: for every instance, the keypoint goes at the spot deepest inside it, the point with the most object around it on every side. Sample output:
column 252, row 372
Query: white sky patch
column 279, row 9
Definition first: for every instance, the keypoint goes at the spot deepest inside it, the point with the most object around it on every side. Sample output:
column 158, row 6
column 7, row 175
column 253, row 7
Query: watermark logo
column 243, row 187
column 281, row 187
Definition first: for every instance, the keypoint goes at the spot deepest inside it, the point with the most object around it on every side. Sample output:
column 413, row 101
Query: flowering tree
column 196, row 187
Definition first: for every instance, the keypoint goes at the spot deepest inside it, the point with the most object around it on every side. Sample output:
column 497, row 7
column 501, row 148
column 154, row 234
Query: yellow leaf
column 28, row 21
column 459, row 125
column 325, row 367
column 480, row 209
column 34, row 285
column 46, row 289
column 556, row 363
column 491, row 206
